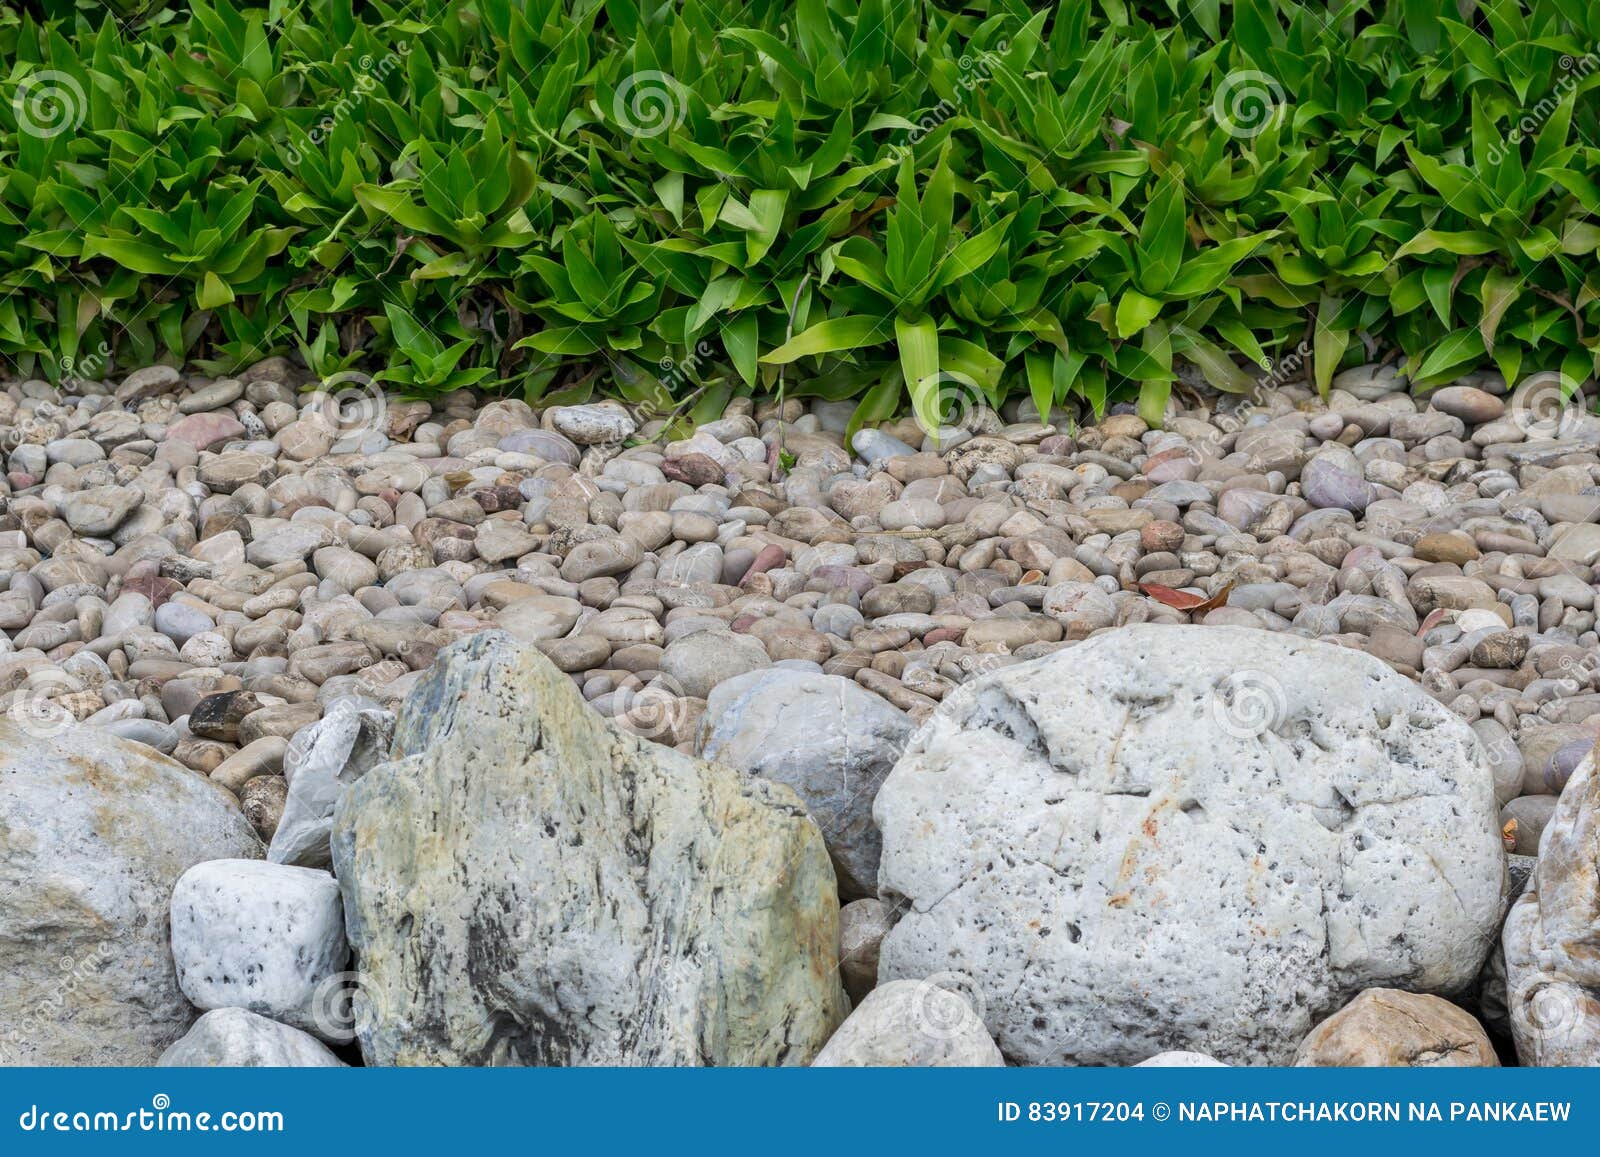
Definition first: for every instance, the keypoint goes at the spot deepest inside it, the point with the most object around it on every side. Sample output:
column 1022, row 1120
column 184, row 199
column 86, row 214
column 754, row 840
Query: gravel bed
column 205, row 565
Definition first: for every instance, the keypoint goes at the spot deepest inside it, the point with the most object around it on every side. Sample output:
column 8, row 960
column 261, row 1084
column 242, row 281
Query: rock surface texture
column 94, row 832
column 1552, row 936
column 526, row 884
column 1181, row 838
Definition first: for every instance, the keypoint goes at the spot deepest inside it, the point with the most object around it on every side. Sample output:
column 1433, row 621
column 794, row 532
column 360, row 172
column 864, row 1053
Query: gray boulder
column 237, row 1038
column 1201, row 838
column 527, row 884
column 323, row 759
column 1552, row 936
column 912, row 1023
column 826, row 737
column 94, row 832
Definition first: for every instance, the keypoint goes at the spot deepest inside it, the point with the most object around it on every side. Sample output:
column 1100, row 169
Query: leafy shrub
column 675, row 202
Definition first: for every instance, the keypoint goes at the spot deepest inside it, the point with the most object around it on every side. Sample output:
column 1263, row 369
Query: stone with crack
column 1387, row 1028
column 1176, row 837
column 525, row 883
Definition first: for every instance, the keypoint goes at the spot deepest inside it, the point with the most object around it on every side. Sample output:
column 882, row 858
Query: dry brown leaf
column 1508, row 835
column 1183, row 600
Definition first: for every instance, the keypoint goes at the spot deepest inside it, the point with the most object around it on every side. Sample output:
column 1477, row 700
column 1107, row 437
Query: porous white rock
column 912, row 1023
column 525, row 883
column 1185, row 837
column 826, row 737
column 237, row 1038
column 94, row 832
column 264, row 937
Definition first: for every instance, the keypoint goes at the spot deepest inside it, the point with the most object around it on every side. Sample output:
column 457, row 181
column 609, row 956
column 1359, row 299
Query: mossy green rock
column 526, row 884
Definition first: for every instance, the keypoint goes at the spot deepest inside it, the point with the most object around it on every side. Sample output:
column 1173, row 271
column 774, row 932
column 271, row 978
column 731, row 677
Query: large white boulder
column 525, row 883
column 1552, row 936
column 94, row 832
column 264, row 937
column 1175, row 837
column 825, row 736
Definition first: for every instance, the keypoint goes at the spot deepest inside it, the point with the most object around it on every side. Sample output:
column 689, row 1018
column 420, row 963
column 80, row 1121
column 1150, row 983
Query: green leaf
column 1134, row 312
column 1041, row 383
column 1327, row 343
column 741, row 338
column 1206, row 271
column 213, row 292
column 973, row 253
column 1153, row 397
column 766, row 207
column 918, row 342
column 1458, row 350
column 1433, row 240
column 832, row 336
column 134, row 255
column 1498, row 291
column 1161, row 237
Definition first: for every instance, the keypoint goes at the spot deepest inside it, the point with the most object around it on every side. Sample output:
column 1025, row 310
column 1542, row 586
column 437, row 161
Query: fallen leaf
column 1431, row 621
column 1183, row 600
column 1508, row 835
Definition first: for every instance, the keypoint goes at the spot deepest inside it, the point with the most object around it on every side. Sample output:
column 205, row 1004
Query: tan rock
column 1447, row 547
column 264, row 756
column 283, row 719
column 262, row 800
column 1388, row 1028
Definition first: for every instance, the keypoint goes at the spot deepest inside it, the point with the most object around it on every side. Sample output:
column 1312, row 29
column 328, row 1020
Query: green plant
column 877, row 200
